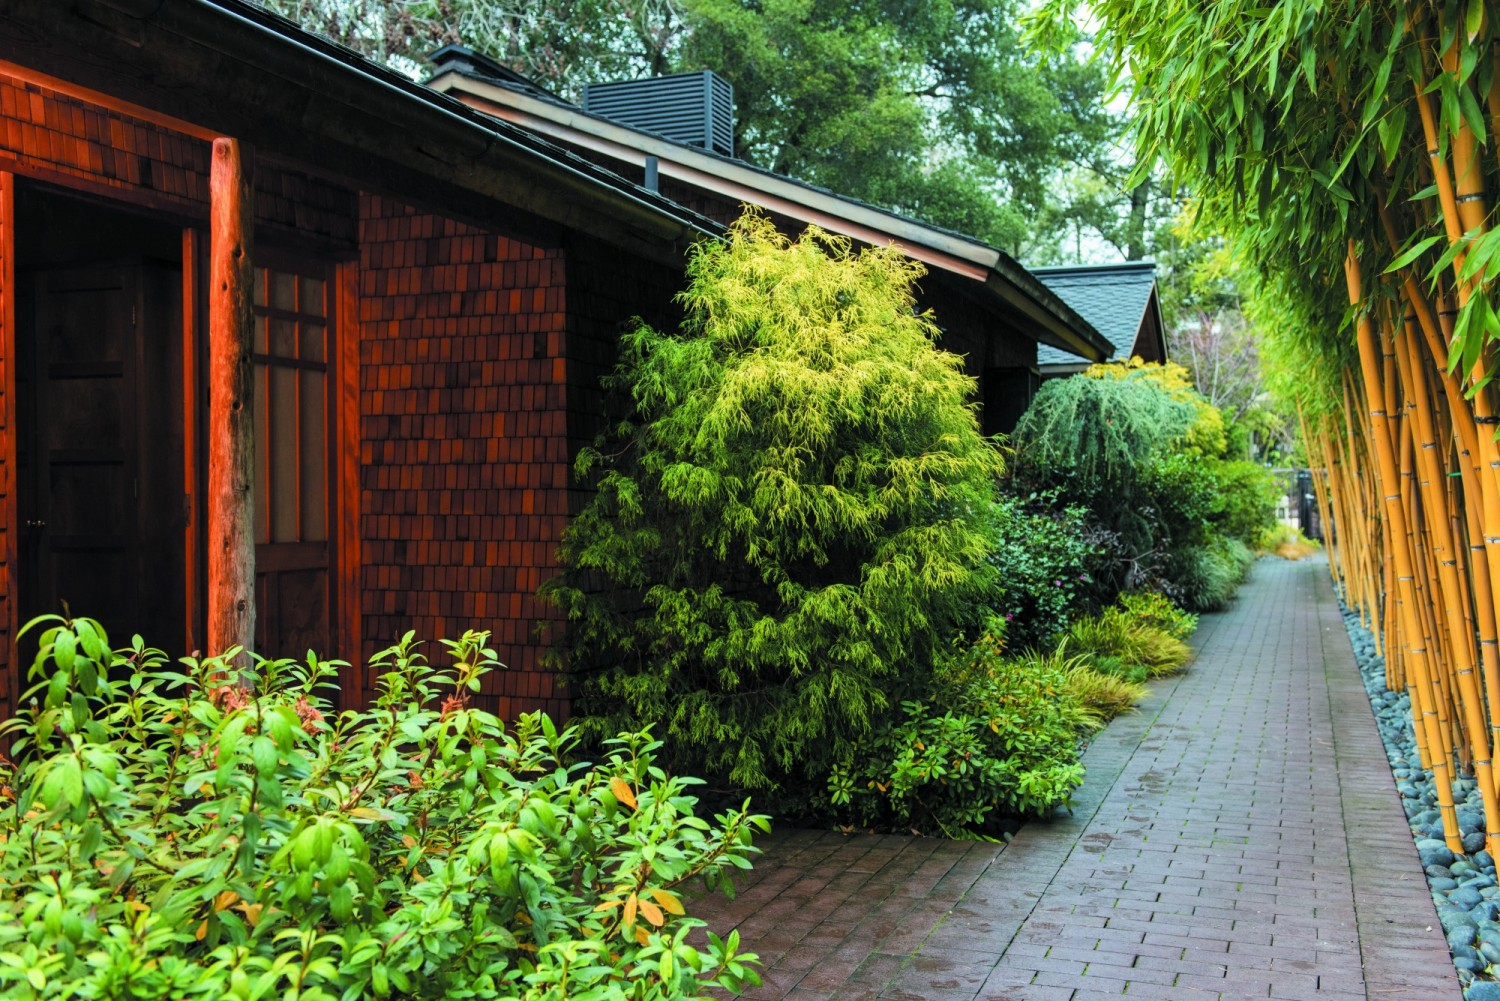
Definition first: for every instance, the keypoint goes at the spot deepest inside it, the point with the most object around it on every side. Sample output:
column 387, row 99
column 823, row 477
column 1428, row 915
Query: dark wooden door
column 101, row 489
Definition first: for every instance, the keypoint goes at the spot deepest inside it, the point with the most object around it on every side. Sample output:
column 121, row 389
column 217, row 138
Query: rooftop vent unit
column 692, row 108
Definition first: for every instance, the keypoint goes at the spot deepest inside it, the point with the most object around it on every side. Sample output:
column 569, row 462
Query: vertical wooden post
column 231, row 400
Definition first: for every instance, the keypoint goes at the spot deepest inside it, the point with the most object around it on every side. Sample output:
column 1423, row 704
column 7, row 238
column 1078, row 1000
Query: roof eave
column 1054, row 322
column 233, row 69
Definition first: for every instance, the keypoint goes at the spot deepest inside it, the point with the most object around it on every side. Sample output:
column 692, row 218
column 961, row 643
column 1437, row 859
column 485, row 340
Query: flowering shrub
column 1046, row 561
column 211, row 832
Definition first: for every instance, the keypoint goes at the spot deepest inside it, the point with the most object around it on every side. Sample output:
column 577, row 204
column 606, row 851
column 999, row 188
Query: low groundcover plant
column 212, row 831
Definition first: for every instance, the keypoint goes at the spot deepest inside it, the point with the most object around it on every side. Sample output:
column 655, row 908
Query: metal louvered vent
column 692, row 108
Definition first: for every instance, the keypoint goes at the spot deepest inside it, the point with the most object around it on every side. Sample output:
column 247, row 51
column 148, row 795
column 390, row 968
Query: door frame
column 345, row 625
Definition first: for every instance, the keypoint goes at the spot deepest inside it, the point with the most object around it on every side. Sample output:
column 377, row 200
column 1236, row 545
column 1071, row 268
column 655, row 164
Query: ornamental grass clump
column 1108, row 694
column 1157, row 610
column 787, row 526
column 1115, row 636
column 203, row 831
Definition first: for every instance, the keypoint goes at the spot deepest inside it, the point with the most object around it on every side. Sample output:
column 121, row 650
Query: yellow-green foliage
column 1287, row 542
column 996, row 737
column 1206, row 435
column 1107, row 694
column 1154, row 609
column 1116, row 634
column 785, row 531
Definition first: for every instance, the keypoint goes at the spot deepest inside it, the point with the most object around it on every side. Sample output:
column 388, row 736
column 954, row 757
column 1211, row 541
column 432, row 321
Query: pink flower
column 312, row 719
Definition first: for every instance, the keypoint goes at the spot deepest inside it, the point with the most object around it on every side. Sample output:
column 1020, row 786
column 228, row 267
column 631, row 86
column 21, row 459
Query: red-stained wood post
column 231, row 400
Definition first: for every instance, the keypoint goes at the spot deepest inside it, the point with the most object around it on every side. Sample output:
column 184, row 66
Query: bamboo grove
column 1351, row 153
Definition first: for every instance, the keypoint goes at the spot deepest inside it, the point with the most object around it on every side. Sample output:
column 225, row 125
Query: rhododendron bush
column 214, row 830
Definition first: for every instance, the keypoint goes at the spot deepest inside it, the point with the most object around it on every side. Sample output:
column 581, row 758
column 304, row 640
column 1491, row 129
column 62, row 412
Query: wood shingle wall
column 463, row 455
column 476, row 375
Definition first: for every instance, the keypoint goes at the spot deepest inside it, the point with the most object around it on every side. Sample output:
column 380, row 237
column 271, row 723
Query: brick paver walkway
column 1239, row 837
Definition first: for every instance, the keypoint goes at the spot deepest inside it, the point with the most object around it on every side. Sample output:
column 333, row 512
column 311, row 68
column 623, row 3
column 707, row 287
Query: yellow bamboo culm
column 1424, row 712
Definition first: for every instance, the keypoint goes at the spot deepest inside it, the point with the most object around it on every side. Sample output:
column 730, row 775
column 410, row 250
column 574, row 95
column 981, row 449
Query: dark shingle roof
column 1111, row 297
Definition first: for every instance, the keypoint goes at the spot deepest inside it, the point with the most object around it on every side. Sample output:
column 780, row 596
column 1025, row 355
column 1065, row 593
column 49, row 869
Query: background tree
column 937, row 110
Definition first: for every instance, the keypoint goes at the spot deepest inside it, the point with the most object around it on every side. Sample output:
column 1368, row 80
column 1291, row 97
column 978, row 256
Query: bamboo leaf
column 1469, row 107
column 1392, row 129
column 1309, row 65
column 1411, row 254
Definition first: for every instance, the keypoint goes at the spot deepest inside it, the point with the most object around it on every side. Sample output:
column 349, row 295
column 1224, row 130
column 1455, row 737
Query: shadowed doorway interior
column 102, row 506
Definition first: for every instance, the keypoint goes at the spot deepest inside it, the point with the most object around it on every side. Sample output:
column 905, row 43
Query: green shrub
column 1115, row 633
column 788, row 526
column 1046, row 561
column 1107, row 694
column 1250, row 492
column 1112, row 666
column 1208, row 575
column 1157, row 610
column 1144, row 453
column 201, row 832
column 998, row 739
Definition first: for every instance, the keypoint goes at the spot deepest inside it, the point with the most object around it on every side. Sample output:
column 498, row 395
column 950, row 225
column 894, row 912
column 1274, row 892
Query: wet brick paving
column 1238, row 837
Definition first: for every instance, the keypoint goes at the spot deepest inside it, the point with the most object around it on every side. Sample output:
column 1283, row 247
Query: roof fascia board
column 1059, row 325
column 572, row 124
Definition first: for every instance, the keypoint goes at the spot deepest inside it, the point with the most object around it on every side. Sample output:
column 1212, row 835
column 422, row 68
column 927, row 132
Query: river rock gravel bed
column 1464, row 887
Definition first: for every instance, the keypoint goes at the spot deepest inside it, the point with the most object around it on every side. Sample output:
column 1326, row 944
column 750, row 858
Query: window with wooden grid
column 291, row 407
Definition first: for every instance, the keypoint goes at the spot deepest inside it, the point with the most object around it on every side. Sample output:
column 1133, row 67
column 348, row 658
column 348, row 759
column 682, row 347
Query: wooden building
column 296, row 352
column 430, row 298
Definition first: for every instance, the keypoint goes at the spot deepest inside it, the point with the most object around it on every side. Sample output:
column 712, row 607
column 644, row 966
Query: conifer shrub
column 996, row 740
column 201, row 832
column 788, row 523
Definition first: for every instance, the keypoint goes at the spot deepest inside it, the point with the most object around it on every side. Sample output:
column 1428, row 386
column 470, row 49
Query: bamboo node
column 1472, row 197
